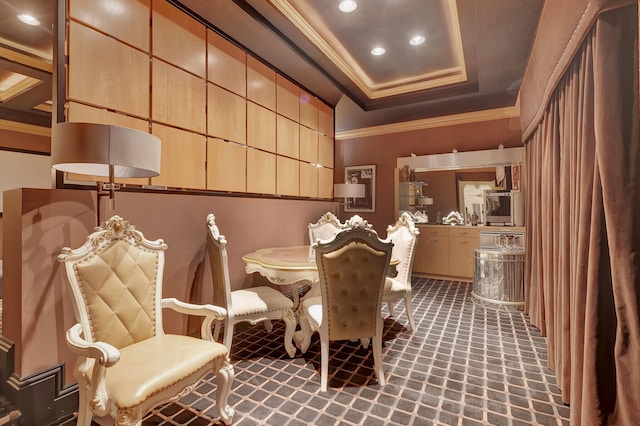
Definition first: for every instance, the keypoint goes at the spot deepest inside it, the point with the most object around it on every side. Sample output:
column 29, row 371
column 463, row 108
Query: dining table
column 292, row 265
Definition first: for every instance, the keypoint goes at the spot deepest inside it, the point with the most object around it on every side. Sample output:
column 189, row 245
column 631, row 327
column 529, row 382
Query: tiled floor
column 464, row 365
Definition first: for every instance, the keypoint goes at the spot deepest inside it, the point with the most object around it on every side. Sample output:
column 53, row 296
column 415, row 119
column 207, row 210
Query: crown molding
column 433, row 122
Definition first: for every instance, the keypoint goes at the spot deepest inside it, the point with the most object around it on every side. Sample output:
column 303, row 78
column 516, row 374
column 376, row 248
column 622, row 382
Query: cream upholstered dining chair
column 324, row 229
column 253, row 304
column 404, row 235
column 352, row 268
column 128, row 365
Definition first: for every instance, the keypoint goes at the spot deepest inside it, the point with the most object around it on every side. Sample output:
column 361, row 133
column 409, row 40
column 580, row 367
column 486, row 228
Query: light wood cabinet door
column 105, row 72
column 325, row 151
column 226, row 115
column 178, row 38
column 308, row 110
column 288, row 176
column 288, row 98
column 226, row 166
column 308, row 145
column 325, row 120
column 178, row 98
column 261, row 127
column 227, row 64
column 182, row 160
column 308, row 180
column 325, row 182
column 128, row 22
column 461, row 255
column 287, row 137
column 261, row 172
column 261, row 83
column 433, row 251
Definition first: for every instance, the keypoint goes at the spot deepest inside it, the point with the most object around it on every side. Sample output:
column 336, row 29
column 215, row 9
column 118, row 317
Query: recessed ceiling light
column 347, row 6
column 377, row 51
column 417, row 40
column 28, row 19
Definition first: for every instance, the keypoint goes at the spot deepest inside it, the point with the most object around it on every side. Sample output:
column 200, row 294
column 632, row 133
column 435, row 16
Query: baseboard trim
column 40, row 397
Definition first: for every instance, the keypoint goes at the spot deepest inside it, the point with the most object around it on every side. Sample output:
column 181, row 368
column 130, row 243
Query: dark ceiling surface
column 473, row 58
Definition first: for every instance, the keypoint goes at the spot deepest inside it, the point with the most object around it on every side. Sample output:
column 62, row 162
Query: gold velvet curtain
column 582, row 278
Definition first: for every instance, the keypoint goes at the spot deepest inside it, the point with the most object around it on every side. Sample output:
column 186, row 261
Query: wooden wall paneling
column 182, row 159
column 226, row 166
column 261, row 172
column 261, row 127
column 226, row 115
column 325, row 182
column 227, row 64
column 105, row 72
column 287, row 137
column 326, row 120
column 325, row 151
column 178, row 98
column 308, row 110
column 178, row 38
column 308, row 145
column 261, row 83
column 287, row 176
column 80, row 113
column 287, row 98
column 128, row 22
column 308, row 180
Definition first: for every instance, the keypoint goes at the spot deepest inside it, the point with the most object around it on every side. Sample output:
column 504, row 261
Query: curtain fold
column 582, row 276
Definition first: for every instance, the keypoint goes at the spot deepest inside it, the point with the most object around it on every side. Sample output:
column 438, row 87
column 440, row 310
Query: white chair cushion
column 255, row 300
column 392, row 286
column 152, row 365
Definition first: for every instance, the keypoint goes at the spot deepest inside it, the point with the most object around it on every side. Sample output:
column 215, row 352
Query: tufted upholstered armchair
column 352, row 268
column 128, row 365
column 404, row 236
column 324, row 229
column 252, row 305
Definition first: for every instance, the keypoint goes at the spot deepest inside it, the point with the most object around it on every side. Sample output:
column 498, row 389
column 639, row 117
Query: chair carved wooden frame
column 352, row 269
column 253, row 304
column 128, row 365
column 404, row 235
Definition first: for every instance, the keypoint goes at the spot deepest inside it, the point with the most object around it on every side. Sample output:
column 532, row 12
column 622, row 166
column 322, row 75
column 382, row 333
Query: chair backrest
column 115, row 279
column 325, row 228
column 352, row 269
column 219, row 262
column 404, row 236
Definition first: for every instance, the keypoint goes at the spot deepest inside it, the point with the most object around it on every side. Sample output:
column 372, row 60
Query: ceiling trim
column 32, row 129
column 339, row 56
column 429, row 123
column 24, row 59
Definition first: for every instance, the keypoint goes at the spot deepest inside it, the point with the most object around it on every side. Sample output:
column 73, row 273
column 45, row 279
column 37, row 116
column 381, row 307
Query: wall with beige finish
column 39, row 222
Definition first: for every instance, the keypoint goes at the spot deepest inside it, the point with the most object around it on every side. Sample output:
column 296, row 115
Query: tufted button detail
column 354, row 275
column 345, row 324
column 345, row 291
column 363, row 291
column 336, row 274
column 334, row 307
column 354, row 308
column 347, row 259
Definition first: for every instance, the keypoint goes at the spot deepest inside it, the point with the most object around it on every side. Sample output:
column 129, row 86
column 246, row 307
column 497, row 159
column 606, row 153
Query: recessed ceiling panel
column 348, row 39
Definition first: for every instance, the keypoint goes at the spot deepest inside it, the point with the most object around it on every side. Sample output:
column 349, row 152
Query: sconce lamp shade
column 89, row 149
column 425, row 201
column 348, row 190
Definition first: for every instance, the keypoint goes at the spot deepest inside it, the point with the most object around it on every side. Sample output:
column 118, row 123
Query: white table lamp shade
column 348, row 190
column 89, row 149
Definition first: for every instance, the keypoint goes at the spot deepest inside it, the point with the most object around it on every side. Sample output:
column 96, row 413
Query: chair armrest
column 217, row 312
column 210, row 312
column 102, row 351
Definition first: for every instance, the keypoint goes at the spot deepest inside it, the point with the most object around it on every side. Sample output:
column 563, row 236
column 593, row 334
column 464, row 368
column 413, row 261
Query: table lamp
column 348, row 191
column 104, row 150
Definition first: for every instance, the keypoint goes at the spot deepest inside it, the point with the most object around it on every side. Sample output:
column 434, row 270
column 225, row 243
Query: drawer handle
column 464, row 232
column 434, row 241
column 434, row 232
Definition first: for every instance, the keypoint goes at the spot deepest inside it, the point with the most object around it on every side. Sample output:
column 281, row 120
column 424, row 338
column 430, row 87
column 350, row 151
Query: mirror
column 455, row 181
column 447, row 188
